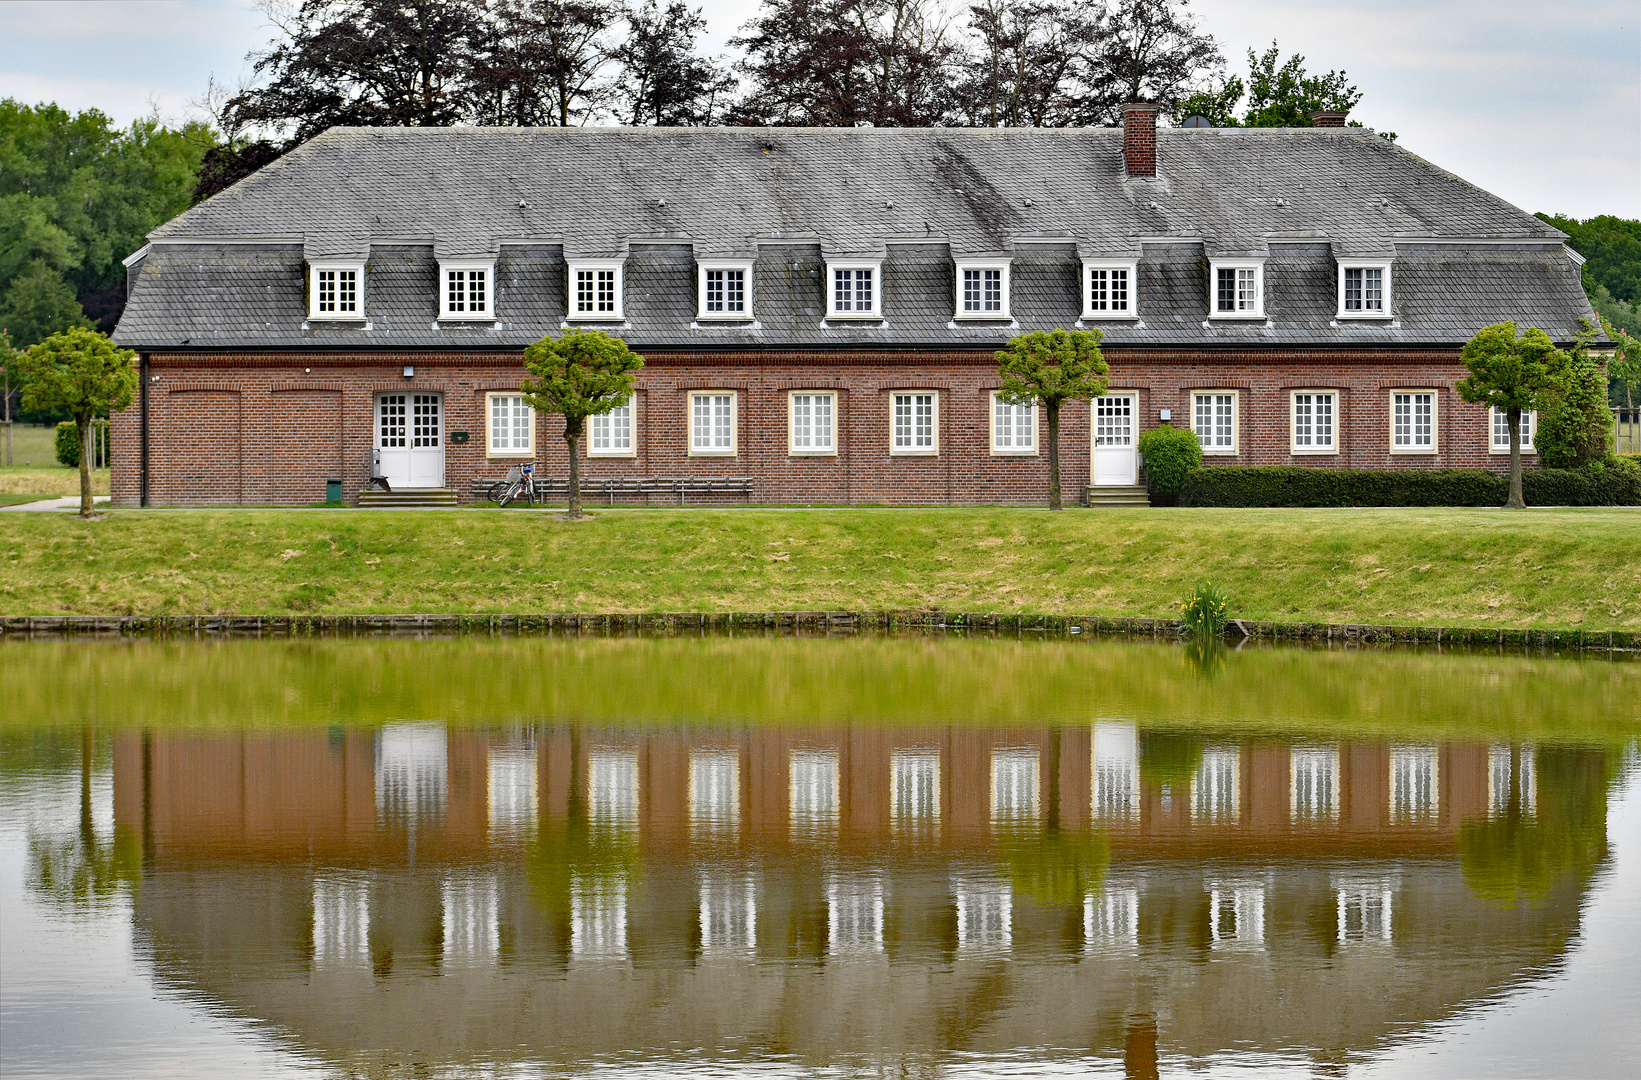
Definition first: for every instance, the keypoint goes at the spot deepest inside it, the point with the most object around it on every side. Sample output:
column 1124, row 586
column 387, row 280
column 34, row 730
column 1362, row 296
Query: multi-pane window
column 1013, row 427
column 1413, row 421
column 914, row 789
column 723, row 291
column 597, row 292
column 914, row 424
column 813, row 423
column 598, row 918
column 412, row 772
column 1236, row 916
column 714, row 792
column 610, row 434
column 1314, row 785
column 1215, row 787
column 512, row 787
column 854, row 914
column 813, row 792
column 425, row 426
column 1501, row 431
column 390, row 415
column 335, row 291
column 1362, row 290
column 1413, row 774
column 712, row 423
column 1014, row 785
column 1236, row 290
column 512, row 424
column 1313, row 422
column 982, row 292
column 1364, row 910
column 1108, row 291
column 612, row 789
column 466, row 292
column 472, row 932
column 853, row 291
column 1116, row 768
column 1512, row 782
column 729, row 913
column 1111, row 920
column 341, row 923
column 985, row 910
column 1213, row 418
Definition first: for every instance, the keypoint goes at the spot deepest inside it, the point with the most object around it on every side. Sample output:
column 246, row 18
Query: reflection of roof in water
column 571, row 893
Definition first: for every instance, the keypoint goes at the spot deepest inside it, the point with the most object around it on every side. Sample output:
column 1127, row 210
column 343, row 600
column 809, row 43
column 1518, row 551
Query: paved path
column 71, row 503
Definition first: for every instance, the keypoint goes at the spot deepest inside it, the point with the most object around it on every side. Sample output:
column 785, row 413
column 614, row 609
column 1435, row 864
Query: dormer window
column 468, row 290
column 1237, row 289
column 336, row 291
column 854, row 291
column 595, row 290
column 1364, row 290
column 982, row 289
column 1108, row 289
column 725, row 291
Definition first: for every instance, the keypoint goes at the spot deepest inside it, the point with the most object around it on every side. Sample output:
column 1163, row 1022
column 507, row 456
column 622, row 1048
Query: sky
column 1538, row 103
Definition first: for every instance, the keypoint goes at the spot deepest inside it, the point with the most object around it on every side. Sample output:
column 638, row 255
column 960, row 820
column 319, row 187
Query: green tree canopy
column 1509, row 373
column 1280, row 93
column 1050, row 368
column 86, row 375
column 583, row 373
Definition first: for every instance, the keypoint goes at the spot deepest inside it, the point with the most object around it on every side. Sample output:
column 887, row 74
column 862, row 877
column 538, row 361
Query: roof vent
column 1331, row 118
column 1139, row 138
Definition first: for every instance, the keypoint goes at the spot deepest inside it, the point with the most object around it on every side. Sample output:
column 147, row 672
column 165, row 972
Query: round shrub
column 68, row 444
column 1170, row 454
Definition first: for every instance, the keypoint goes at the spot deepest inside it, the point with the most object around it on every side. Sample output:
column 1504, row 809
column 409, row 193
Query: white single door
column 410, row 434
column 1114, row 464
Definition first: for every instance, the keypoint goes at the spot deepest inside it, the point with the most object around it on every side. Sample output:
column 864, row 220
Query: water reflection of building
column 575, row 872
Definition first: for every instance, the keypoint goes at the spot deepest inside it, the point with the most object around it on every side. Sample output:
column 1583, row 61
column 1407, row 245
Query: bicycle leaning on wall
column 520, row 483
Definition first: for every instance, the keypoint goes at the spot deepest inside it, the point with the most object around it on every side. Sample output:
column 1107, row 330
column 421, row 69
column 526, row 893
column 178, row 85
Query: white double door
column 410, row 435
column 1114, row 460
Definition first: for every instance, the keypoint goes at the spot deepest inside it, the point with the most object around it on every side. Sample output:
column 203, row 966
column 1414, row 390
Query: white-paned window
column 1236, row 916
column 336, row 291
column 1108, row 290
column 1511, row 784
column 1413, row 422
column 1111, row 920
column 813, row 792
column 598, row 918
column 854, row 915
column 982, row 290
column 1213, row 419
column 512, row 426
column 612, row 788
column 1237, row 290
column 1216, row 787
column 412, row 774
column 1364, row 909
column 467, row 290
column 1315, row 414
column 1364, row 290
column 813, row 422
column 341, row 923
column 1116, row 770
column 1414, row 794
column 985, row 915
column 595, row 289
column 726, row 290
column 853, row 291
column 1013, row 427
column 512, row 787
column 1014, row 785
column 914, row 423
column 610, row 434
column 729, row 913
column 472, row 934
column 714, row 792
column 1501, row 430
column 914, row 789
column 1313, row 785
column 712, row 425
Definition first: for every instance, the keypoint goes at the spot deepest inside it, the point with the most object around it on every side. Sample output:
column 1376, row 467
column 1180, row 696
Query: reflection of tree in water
column 1520, row 855
column 1054, row 867
column 575, row 848
column 79, row 870
column 1169, row 759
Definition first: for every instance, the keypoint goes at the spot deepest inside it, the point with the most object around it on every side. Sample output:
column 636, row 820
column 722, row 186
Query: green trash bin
column 333, row 490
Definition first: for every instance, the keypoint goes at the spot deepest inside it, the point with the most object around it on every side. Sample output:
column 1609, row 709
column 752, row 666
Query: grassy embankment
column 35, row 474
column 1553, row 569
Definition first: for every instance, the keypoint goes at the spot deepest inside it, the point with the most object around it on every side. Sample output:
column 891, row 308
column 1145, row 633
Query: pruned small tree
column 86, row 375
column 1509, row 373
column 1050, row 368
column 584, row 373
column 1575, row 424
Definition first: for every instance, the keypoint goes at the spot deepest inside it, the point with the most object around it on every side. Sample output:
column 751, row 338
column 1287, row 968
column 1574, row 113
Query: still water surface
column 837, row 857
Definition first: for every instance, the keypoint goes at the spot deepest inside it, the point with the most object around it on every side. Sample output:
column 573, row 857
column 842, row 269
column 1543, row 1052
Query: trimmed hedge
column 1290, row 486
column 1170, row 455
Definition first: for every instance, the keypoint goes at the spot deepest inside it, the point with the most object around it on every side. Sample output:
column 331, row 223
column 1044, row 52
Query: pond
column 844, row 856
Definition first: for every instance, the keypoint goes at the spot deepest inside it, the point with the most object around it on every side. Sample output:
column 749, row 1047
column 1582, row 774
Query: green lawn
column 35, row 471
column 1557, row 569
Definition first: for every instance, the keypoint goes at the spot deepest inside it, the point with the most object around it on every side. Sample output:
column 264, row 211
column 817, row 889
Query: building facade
column 819, row 310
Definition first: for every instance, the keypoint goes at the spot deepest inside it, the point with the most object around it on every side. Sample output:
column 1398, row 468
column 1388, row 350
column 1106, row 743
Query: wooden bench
column 610, row 487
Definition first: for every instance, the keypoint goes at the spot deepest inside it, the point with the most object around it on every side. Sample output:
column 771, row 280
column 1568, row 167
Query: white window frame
column 980, row 266
column 1236, row 422
column 488, row 313
column 792, row 447
column 1529, row 428
column 358, row 312
column 915, row 451
column 991, row 426
column 1435, row 422
column 834, row 265
column 1257, row 266
column 632, row 431
column 489, row 428
column 1359, row 264
column 1293, row 416
column 701, row 312
column 1090, row 313
column 734, row 423
column 577, row 266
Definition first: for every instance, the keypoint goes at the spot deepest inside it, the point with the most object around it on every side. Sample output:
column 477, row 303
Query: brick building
column 819, row 309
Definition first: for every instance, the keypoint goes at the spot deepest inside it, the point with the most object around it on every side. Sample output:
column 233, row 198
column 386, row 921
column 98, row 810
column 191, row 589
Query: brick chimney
column 1139, row 138
column 1329, row 118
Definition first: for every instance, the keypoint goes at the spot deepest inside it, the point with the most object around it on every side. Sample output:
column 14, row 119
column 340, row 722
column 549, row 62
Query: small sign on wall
column 458, row 436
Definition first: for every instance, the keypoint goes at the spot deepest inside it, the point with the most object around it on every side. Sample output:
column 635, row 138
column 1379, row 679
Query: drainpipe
column 142, row 422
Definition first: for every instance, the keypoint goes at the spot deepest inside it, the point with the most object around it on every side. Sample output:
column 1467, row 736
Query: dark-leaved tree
column 1147, row 50
column 663, row 79
column 543, row 63
column 1025, row 62
column 1280, row 93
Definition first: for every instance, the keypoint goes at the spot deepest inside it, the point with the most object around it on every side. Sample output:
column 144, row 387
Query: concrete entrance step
column 407, row 497
column 1118, row 496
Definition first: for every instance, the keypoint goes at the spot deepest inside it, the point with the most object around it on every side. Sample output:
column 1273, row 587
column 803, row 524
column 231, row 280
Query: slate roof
column 229, row 272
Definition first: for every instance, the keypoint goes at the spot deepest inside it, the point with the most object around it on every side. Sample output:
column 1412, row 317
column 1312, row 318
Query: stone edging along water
column 799, row 621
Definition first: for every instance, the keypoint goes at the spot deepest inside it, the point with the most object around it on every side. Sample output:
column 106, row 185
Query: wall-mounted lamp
column 1166, row 414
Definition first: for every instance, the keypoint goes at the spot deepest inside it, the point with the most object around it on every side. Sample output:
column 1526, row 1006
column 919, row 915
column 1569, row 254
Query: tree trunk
column 84, row 424
column 1053, row 409
column 1515, row 501
column 572, row 435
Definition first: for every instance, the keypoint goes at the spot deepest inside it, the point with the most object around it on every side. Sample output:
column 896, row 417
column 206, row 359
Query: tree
column 1024, row 61
column 86, row 374
column 1509, row 373
column 1050, row 368
column 1624, row 368
column 1575, row 425
column 584, row 373
column 538, row 63
column 1148, row 50
column 1280, row 94
column 662, row 79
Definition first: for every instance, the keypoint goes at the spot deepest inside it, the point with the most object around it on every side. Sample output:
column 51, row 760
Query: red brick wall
column 270, row 428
